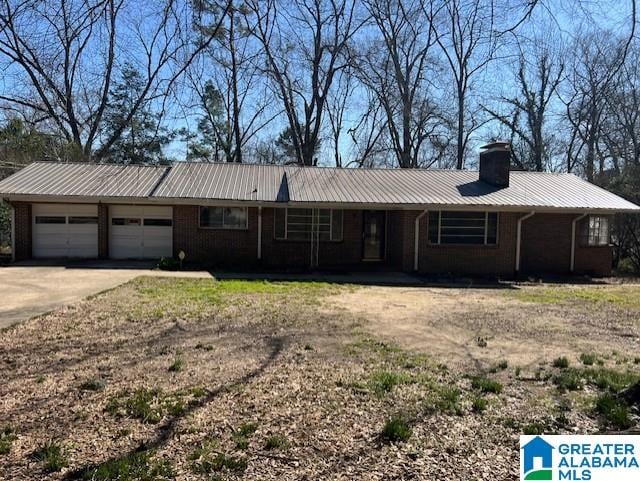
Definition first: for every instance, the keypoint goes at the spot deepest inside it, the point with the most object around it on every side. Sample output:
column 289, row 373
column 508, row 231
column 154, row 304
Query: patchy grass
column 569, row 380
column 614, row 412
column 7, row 437
column 444, row 399
column 561, row 362
column 132, row 467
column 177, row 365
column 92, row 384
column 52, row 455
column 588, row 359
column 242, row 434
column 486, row 385
column 479, row 405
column 276, row 442
column 208, row 460
column 396, row 430
column 626, row 297
column 150, row 405
column 383, row 382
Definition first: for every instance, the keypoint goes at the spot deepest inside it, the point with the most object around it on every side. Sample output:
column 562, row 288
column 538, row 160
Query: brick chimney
column 495, row 162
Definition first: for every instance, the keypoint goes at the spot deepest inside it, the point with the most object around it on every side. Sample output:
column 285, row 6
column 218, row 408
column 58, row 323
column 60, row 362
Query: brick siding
column 546, row 245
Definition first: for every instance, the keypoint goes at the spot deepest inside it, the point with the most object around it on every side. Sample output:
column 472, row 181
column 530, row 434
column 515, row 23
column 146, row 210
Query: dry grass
column 275, row 381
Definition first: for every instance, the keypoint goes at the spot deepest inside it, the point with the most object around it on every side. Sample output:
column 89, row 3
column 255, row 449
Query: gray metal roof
column 309, row 185
column 83, row 180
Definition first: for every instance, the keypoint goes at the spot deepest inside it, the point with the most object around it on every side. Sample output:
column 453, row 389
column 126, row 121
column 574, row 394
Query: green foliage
column 140, row 138
column 444, row 399
column 396, row 429
column 610, row 379
column 53, row 456
column 382, row 382
column 486, row 385
column 132, row 467
column 7, row 437
column 276, row 442
column 588, row 359
column 568, row 380
column 614, row 412
column 208, row 460
column 479, row 404
column 535, row 428
column 561, row 362
column 627, row 297
column 243, row 433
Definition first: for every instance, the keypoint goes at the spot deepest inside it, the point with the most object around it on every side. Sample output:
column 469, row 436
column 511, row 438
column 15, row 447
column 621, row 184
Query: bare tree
column 396, row 68
column 468, row 41
column 61, row 57
column 304, row 50
column 537, row 81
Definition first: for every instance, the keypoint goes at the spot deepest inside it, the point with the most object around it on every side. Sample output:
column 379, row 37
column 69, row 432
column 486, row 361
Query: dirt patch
column 196, row 379
column 518, row 324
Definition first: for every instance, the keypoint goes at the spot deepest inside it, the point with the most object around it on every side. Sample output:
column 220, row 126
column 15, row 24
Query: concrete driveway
column 29, row 290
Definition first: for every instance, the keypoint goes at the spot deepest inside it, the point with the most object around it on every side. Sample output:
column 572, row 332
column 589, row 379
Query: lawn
column 199, row 379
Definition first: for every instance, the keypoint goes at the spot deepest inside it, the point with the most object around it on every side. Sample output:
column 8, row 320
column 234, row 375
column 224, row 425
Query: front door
column 373, row 235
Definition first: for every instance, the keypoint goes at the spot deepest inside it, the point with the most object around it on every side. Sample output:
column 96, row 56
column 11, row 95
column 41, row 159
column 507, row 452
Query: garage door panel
column 141, row 232
column 65, row 230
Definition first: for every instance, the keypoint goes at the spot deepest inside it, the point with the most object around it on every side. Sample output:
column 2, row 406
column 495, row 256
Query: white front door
column 65, row 230
column 140, row 232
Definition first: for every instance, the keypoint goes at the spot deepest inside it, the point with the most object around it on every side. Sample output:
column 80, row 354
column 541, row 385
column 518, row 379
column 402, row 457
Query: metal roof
column 312, row 185
column 83, row 180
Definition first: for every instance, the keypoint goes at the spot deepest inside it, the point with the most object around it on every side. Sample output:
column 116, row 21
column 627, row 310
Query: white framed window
column 224, row 218
column 298, row 224
column 596, row 231
column 459, row 227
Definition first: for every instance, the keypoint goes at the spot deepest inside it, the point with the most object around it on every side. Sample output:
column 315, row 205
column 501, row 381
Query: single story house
column 494, row 222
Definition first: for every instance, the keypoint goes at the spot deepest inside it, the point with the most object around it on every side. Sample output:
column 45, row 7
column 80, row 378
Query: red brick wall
column 592, row 260
column 497, row 260
column 103, row 231
column 217, row 247
column 22, row 230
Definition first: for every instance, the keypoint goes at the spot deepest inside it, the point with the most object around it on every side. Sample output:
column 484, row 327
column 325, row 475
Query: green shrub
column 132, row 467
column 444, row 399
column 609, row 379
column 588, row 359
column 242, row 435
column 569, row 380
column 535, row 428
column 383, row 382
column 396, row 429
column 614, row 412
column 479, row 405
column 486, row 385
column 145, row 405
column 53, row 456
column 276, row 442
column 168, row 264
column 561, row 362
column 7, row 437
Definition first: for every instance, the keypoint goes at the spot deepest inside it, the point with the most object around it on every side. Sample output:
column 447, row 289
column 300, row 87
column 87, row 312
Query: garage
column 140, row 232
column 65, row 230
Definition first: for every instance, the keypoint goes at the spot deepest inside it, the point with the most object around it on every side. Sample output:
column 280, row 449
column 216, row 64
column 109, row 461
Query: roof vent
column 495, row 163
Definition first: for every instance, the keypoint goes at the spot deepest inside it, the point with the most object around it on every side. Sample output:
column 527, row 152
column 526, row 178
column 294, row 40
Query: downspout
column 574, row 223
column 519, row 238
column 416, row 239
column 259, row 233
column 13, row 233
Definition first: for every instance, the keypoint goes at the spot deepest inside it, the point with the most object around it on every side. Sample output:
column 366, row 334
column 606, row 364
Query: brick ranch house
column 494, row 222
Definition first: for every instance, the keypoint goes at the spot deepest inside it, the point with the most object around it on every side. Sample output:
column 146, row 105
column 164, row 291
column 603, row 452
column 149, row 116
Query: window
column 158, row 222
column 125, row 221
column 83, row 220
column 223, row 217
column 478, row 228
column 596, row 231
column 299, row 224
column 44, row 219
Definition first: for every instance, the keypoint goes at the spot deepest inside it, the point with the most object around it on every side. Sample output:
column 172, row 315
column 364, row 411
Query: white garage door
column 61, row 230
column 140, row 232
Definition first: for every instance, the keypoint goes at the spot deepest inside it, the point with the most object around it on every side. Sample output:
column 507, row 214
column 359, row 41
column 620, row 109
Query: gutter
column 416, row 239
column 574, row 223
column 519, row 238
column 13, row 233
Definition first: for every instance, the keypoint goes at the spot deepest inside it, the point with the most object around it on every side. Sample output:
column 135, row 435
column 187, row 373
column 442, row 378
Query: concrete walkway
column 30, row 289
